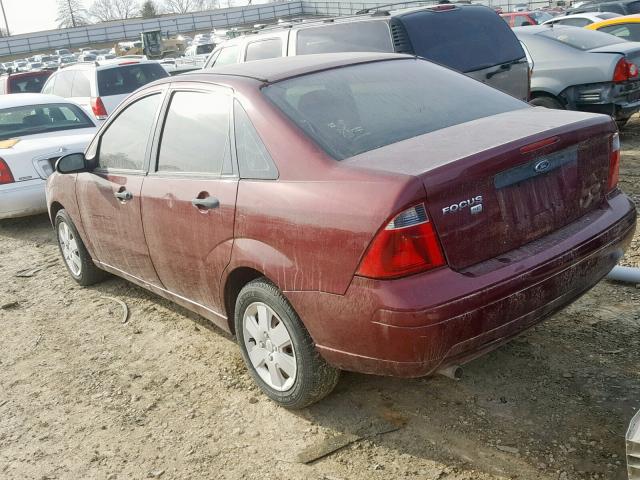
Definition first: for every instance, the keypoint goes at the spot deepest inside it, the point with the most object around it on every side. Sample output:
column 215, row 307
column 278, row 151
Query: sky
column 30, row 15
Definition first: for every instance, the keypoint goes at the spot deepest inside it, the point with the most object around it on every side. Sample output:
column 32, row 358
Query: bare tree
column 71, row 13
column 184, row 6
column 106, row 10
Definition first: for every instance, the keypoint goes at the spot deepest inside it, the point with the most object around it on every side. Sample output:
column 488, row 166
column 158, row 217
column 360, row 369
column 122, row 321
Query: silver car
column 581, row 69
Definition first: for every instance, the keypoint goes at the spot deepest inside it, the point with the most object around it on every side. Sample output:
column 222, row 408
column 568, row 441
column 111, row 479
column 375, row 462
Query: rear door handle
column 123, row 195
column 207, row 203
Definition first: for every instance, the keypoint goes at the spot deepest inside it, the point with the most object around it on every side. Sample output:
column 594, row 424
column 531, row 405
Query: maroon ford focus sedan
column 368, row 212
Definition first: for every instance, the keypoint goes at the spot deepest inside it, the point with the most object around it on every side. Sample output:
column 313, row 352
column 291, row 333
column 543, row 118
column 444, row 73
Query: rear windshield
column 204, row 48
column 580, row 38
column 358, row 108
column 35, row 119
column 32, row 83
column 347, row 37
column 540, row 16
column 128, row 78
column 466, row 39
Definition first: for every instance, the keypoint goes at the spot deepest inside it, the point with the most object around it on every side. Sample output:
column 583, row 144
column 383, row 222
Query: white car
column 36, row 130
column 99, row 87
column 581, row 19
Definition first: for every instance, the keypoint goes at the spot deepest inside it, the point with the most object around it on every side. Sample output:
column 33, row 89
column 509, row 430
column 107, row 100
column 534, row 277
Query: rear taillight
column 98, row 108
column 625, row 71
column 407, row 244
column 614, row 163
column 5, row 173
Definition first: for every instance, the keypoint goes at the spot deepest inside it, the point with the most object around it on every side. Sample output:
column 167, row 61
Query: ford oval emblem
column 542, row 166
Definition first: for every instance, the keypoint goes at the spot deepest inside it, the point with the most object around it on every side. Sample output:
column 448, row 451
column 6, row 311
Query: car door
column 188, row 200
column 109, row 196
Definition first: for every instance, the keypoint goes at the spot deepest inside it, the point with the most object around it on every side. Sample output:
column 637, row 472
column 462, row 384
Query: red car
column 522, row 19
column 334, row 213
column 24, row 82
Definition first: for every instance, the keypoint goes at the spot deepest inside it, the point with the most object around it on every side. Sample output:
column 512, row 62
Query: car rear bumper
column 412, row 326
column 22, row 199
column 617, row 100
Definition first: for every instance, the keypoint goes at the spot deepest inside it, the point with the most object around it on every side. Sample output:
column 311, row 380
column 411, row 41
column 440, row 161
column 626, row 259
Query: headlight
column 633, row 448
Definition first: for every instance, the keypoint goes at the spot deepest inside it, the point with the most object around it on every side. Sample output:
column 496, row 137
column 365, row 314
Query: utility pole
column 73, row 18
column 4, row 15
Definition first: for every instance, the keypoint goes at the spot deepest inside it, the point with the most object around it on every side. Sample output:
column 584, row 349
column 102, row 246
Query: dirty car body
column 405, row 241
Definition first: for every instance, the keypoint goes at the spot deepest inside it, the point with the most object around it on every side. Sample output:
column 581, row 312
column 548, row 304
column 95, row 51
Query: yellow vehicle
column 152, row 45
column 626, row 27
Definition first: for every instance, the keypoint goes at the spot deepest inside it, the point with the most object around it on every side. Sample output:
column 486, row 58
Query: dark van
column 471, row 39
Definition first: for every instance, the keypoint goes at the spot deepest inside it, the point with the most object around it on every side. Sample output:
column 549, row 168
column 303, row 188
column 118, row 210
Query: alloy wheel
column 69, row 247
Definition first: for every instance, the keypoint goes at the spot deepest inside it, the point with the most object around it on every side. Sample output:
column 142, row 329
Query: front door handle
column 207, row 203
column 123, row 195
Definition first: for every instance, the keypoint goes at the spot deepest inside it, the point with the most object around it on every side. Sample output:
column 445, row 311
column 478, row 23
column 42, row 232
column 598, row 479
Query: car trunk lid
column 516, row 177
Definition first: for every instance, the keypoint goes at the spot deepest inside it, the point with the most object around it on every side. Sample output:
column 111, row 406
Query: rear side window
column 347, row 37
column 128, row 78
column 254, row 160
column 63, row 83
column 124, row 144
column 580, row 38
column 227, row 56
column 28, row 84
column 355, row 109
column 36, row 119
column 195, row 138
column 465, row 39
column 271, row 48
column 81, row 85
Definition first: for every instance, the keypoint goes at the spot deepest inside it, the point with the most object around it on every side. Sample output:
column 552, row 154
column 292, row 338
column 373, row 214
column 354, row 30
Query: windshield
column 466, row 39
column 34, row 119
column 540, row 16
column 125, row 79
column 358, row 108
column 580, row 38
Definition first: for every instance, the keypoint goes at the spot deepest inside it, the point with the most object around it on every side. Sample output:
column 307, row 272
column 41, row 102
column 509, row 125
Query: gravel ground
column 165, row 395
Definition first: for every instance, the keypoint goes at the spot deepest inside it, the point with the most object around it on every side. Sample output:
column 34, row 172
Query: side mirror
column 72, row 163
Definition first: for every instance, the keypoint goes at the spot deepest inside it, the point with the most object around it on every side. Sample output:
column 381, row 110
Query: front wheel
column 278, row 350
column 75, row 255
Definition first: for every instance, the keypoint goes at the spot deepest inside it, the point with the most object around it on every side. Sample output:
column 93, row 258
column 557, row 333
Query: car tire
column 74, row 253
column 547, row 102
column 284, row 363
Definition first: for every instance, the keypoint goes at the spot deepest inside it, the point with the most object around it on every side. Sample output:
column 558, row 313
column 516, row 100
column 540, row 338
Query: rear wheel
column 547, row 102
column 277, row 348
column 75, row 255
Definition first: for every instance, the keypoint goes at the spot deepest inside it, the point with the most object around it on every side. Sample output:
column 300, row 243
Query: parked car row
column 222, row 189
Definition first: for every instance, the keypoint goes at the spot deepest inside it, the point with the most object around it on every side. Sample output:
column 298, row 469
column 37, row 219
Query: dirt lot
column 165, row 395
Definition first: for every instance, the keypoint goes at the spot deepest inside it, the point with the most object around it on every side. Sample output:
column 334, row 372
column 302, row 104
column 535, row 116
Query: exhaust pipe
column 453, row 371
column 624, row 274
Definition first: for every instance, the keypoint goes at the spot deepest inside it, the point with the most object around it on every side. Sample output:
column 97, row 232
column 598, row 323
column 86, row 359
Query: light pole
column 4, row 15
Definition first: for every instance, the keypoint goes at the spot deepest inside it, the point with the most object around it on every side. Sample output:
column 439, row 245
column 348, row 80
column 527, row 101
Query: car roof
column 24, row 99
column 615, row 21
column 276, row 69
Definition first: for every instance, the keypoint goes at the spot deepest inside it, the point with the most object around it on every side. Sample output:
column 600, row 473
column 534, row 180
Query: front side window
column 124, row 144
column 195, row 137
column 358, row 108
column 227, row 56
column 271, row 48
column 522, row 21
column 34, row 119
column 346, row 37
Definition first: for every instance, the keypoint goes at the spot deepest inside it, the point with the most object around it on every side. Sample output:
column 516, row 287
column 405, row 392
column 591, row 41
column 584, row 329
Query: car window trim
column 152, row 170
column 145, row 166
